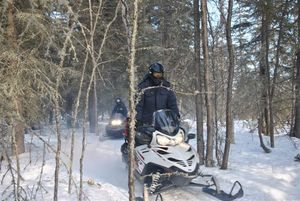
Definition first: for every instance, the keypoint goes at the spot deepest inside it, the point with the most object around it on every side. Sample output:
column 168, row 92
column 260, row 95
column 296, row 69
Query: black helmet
column 156, row 67
column 118, row 100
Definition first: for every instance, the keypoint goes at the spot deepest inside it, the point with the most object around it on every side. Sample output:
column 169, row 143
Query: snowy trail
column 103, row 163
column 108, row 167
column 265, row 177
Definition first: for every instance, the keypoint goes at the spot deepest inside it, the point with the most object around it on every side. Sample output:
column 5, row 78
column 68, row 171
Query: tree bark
column 12, row 38
column 92, row 104
column 19, row 131
column 165, row 30
column 210, row 126
column 268, row 109
column 16, row 128
column 262, row 144
column 296, row 129
column 198, row 87
column 57, row 110
column 132, row 92
column 96, row 106
column 229, row 117
column 264, row 116
column 58, row 136
column 275, row 75
column 264, row 69
column 125, row 19
column 74, row 123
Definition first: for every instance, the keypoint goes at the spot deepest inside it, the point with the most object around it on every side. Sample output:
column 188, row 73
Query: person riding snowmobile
column 119, row 108
column 163, row 157
column 117, row 121
column 154, row 93
column 158, row 96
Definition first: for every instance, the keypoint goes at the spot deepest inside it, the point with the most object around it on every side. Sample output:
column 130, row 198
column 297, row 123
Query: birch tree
column 132, row 103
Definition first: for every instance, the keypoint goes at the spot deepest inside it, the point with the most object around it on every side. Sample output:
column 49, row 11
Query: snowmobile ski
column 221, row 195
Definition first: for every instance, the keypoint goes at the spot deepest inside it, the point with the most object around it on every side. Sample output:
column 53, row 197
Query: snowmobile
column 163, row 158
column 116, row 126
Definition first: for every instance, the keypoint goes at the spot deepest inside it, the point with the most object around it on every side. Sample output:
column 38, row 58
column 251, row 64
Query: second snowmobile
column 115, row 126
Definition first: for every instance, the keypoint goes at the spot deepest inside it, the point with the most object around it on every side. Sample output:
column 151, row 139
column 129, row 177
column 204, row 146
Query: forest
column 68, row 60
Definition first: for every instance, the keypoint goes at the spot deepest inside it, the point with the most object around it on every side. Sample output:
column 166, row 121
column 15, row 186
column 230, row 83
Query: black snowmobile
column 115, row 126
column 165, row 159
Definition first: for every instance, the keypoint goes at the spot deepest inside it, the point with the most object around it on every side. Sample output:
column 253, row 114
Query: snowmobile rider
column 153, row 99
column 120, row 108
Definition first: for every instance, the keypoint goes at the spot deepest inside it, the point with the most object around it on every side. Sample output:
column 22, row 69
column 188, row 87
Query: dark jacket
column 154, row 99
column 120, row 108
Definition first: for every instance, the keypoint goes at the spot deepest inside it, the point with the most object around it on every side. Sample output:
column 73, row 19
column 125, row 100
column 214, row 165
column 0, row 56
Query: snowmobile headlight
column 163, row 140
column 116, row 122
column 179, row 138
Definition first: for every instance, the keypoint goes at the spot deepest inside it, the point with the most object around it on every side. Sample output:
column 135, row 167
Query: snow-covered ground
column 273, row 176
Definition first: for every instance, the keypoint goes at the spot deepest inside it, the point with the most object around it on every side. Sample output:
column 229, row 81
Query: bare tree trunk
column 11, row 169
column 83, row 143
column 19, row 131
column 15, row 150
column 131, row 39
column 263, row 74
column 91, row 108
column 292, row 116
column 96, row 56
column 96, row 105
column 268, row 107
column 58, row 135
column 273, row 84
column 125, row 18
column 216, row 65
column 198, row 87
column 76, row 106
column 74, row 123
column 210, row 126
column 165, row 30
column 265, row 71
column 263, row 67
column 229, row 118
column 223, row 73
column 296, row 129
column 17, row 126
column 12, row 38
column 57, row 110
column 132, row 92
column 262, row 144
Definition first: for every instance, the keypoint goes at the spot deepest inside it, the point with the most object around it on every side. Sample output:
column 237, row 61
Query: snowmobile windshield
column 166, row 121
